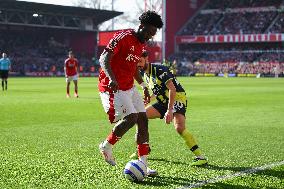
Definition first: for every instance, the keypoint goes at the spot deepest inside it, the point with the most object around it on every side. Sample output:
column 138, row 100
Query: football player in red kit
column 120, row 98
column 71, row 73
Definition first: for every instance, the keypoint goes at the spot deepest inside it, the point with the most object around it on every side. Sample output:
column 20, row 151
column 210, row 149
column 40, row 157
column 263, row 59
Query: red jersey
column 71, row 65
column 127, row 50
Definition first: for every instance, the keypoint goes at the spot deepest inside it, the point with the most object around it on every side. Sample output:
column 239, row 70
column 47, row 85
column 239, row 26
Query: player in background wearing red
column 120, row 98
column 71, row 73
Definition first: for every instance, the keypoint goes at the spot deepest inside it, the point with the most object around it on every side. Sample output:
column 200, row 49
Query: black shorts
column 4, row 74
column 179, row 107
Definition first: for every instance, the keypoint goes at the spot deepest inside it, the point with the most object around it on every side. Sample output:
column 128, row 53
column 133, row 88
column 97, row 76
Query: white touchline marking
column 237, row 174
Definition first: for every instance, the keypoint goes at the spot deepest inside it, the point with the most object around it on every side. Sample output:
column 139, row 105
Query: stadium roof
column 98, row 15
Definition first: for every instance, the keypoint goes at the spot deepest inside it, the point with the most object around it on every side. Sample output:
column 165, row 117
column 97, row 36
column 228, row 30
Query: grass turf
column 48, row 141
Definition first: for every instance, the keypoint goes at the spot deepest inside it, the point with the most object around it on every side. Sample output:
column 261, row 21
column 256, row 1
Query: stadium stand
column 233, row 36
column 38, row 36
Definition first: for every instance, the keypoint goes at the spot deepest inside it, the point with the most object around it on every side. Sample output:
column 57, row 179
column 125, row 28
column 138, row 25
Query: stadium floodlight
column 35, row 15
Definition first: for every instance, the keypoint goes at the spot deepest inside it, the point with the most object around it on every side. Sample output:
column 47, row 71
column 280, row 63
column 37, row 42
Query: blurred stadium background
column 205, row 37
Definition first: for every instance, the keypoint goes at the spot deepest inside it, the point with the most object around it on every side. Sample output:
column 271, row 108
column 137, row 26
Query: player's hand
column 169, row 115
column 147, row 97
column 113, row 85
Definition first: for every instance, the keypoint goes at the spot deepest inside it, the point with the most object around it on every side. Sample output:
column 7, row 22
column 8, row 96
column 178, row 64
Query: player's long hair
column 151, row 18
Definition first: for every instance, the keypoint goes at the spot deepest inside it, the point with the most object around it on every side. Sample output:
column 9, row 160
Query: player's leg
column 142, row 136
column 75, row 80
column 142, row 139
column 142, row 133
column 152, row 112
column 179, row 124
column 117, row 105
column 116, row 134
column 68, row 87
column 76, row 88
column 2, row 79
column 5, row 75
column 6, row 84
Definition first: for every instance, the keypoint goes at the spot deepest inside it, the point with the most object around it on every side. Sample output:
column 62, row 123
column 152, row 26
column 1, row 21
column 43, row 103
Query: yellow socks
column 191, row 143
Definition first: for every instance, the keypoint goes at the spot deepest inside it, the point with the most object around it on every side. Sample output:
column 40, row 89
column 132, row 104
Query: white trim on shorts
column 72, row 78
column 122, row 103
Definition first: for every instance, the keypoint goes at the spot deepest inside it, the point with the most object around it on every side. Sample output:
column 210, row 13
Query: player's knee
column 131, row 119
column 125, row 124
column 142, row 116
column 179, row 129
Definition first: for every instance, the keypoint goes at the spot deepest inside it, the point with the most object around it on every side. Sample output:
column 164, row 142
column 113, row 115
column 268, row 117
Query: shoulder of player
column 160, row 67
column 126, row 34
column 162, row 71
column 66, row 62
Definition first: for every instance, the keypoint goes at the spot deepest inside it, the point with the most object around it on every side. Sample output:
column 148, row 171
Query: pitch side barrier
column 237, row 75
column 50, row 74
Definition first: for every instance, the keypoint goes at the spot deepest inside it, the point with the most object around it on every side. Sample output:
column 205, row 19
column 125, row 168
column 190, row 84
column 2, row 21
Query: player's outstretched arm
column 65, row 70
column 140, row 81
column 172, row 93
column 105, row 65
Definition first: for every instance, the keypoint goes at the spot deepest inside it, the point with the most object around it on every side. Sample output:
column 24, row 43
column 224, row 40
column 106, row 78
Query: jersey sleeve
column 164, row 74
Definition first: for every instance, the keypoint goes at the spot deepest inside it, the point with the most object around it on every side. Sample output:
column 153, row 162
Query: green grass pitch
column 48, row 141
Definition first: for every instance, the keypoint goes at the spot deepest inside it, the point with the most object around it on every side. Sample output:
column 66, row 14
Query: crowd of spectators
column 201, row 24
column 264, row 69
column 37, row 53
column 278, row 26
column 186, row 67
column 261, row 52
column 244, row 23
column 225, row 19
column 223, row 4
column 220, row 17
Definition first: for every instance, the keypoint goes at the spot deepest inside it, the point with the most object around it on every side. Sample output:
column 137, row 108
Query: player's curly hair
column 151, row 18
column 144, row 54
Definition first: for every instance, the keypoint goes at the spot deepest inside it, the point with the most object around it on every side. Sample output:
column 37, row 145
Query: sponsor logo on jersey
column 132, row 57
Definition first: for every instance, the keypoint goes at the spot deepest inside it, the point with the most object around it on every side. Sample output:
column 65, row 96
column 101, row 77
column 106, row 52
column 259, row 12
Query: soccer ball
column 135, row 170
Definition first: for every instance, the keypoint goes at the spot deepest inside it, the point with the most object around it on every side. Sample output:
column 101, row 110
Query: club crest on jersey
column 132, row 57
column 132, row 48
column 163, row 75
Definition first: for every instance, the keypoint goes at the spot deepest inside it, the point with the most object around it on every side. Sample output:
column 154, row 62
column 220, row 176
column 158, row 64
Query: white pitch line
column 237, row 174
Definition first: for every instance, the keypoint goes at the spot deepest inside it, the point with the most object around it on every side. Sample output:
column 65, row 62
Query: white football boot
column 107, row 154
column 150, row 172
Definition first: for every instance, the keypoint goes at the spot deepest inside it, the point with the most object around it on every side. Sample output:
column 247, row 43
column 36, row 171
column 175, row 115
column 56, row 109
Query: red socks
column 143, row 149
column 112, row 138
